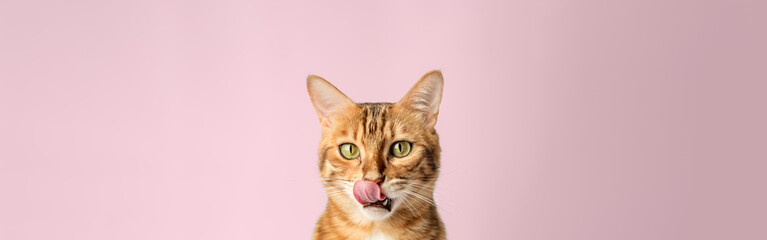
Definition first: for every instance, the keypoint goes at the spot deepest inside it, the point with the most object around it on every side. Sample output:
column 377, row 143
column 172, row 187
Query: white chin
column 375, row 213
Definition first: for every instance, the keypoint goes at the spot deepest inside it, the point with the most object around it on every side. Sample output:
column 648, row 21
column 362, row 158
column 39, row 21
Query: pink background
column 560, row 119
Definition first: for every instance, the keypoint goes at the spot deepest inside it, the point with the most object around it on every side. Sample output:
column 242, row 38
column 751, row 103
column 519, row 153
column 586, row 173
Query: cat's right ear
column 327, row 100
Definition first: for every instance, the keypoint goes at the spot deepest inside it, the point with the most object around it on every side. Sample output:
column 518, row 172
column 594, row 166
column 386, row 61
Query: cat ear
column 327, row 99
column 425, row 96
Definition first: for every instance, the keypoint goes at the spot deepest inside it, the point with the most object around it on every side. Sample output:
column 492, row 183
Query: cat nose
column 376, row 180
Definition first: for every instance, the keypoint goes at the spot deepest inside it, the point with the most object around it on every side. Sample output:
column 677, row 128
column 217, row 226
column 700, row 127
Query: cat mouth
column 384, row 204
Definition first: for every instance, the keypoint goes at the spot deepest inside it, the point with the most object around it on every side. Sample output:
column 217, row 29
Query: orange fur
column 373, row 127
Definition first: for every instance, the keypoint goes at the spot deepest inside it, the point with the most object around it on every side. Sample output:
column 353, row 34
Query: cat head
column 387, row 152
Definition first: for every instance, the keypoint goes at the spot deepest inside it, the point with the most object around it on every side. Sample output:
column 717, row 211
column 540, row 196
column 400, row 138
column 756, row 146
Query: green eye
column 349, row 151
column 400, row 149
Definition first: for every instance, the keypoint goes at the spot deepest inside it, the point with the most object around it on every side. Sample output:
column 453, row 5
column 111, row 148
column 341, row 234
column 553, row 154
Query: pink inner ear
column 325, row 124
column 367, row 192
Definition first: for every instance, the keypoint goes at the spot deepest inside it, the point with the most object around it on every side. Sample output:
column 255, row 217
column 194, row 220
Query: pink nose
column 367, row 192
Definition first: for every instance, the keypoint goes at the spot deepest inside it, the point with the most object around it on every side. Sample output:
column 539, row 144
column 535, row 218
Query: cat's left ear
column 327, row 100
column 425, row 96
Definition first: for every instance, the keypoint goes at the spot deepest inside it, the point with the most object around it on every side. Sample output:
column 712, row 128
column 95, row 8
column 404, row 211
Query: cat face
column 391, row 148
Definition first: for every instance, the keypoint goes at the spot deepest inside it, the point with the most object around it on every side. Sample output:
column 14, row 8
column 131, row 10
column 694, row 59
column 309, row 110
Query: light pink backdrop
column 560, row 119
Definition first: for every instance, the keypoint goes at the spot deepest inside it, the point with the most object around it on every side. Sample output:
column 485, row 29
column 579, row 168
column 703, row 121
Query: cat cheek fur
column 373, row 127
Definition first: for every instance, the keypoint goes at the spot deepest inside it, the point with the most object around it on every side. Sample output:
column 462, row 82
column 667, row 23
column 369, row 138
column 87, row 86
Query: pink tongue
column 367, row 192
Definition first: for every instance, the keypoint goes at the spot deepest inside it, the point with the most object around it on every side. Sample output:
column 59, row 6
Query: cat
column 379, row 163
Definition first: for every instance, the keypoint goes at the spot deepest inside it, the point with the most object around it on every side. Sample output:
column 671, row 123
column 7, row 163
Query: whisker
column 410, row 207
column 336, row 180
column 417, row 195
column 341, row 179
column 422, row 187
column 336, row 184
column 336, row 194
column 425, row 199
